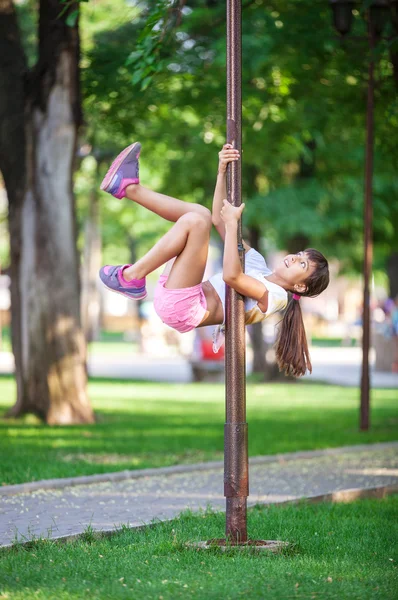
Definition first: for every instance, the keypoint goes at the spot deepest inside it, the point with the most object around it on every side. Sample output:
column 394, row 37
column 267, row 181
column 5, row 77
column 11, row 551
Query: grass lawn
column 143, row 425
column 109, row 342
column 338, row 551
column 330, row 342
column 114, row 342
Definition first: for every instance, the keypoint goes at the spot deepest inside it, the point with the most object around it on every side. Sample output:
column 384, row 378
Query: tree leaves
column 157, row 31
column 72, row 17
column 299, row 85
column 72, row 10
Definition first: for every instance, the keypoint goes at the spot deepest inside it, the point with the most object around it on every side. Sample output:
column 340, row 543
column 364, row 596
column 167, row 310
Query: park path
column 341, row 366
column 164, row 493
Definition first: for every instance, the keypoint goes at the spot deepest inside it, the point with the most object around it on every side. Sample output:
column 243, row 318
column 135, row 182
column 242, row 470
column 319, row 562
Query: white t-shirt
column 256, row 267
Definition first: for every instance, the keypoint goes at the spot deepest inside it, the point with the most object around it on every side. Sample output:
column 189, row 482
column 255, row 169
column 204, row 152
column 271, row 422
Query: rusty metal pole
column 236, row 478
column 368, row 240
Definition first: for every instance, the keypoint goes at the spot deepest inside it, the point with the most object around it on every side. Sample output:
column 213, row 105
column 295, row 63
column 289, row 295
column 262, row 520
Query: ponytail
column 292, row 355
column 291, row 345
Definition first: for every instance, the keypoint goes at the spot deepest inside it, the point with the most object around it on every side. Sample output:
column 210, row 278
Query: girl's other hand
column 230, row 213
column 226, row 155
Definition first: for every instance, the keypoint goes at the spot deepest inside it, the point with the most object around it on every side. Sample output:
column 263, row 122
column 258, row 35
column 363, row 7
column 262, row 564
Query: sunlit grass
column 337, row 552
column 143, row 425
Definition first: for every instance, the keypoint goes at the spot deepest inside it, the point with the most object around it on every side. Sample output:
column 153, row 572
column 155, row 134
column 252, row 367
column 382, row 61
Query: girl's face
column 294, row 269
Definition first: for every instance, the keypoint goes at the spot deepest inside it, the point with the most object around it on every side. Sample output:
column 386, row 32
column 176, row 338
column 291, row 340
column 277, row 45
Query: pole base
column 226, row 545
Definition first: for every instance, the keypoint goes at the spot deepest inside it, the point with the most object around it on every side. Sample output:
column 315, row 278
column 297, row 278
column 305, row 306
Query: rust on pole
column 368, row 240
column 236, row 479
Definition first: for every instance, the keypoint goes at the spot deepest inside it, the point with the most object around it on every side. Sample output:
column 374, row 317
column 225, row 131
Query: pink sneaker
column 123, row 171
column 112, row 277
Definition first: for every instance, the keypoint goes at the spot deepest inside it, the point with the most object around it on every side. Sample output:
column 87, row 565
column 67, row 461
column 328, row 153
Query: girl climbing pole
column 182, row 300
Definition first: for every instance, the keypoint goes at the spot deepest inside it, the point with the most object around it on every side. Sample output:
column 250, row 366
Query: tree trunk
column 91, row 264
column 300, row 241
column 12, row 150
column 39, row 121
column 392, row 263
column 392, row 271
column 132, row 242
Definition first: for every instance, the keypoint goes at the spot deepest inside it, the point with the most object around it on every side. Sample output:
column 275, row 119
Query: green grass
column 329, row 342
column 338, row 551
column 108, row 343
column 115, row 343
column 112, row 342
column 143, row 425
column 5, row 339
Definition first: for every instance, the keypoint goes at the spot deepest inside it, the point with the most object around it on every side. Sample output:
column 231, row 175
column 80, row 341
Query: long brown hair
column 291, row 345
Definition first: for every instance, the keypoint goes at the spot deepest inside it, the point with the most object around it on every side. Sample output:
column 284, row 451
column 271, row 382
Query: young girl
column 182, row 300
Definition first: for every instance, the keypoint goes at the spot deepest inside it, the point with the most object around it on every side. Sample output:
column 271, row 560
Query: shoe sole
column 124, row 294
column 116, row 164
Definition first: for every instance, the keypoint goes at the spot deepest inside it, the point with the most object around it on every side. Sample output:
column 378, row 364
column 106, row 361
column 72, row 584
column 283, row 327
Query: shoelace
column 114, row 273
column 218, row 337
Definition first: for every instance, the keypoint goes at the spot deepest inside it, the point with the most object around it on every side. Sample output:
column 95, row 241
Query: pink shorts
column 181, row 309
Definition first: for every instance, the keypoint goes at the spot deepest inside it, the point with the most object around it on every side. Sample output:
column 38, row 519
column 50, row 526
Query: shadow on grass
column 141, row 425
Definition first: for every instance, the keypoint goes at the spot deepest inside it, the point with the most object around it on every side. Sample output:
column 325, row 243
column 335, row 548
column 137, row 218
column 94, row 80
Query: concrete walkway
column 341, row 366
column 163, row 493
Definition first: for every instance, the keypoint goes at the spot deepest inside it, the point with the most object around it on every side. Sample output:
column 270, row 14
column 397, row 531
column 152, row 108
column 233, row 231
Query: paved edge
column 344, row 496
column 47, row 484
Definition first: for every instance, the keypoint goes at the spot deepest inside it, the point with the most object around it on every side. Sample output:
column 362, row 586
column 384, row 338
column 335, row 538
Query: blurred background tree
column 40, row 112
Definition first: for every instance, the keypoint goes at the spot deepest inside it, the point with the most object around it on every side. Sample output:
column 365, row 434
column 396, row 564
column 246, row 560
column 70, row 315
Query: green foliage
column 304, row 103
column 28, row 23
column 162, row 18
column 156, row 72
column 72, row 10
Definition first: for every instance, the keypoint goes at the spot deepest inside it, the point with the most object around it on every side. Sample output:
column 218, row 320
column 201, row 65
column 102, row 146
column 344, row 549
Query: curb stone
column 45, row 484
column 346, row 496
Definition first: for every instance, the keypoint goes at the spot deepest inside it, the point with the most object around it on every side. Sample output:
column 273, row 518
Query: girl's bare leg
column 167, row 207
column 188, row 240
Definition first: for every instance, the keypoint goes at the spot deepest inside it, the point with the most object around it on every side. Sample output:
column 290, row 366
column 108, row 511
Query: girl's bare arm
column 220, row 193
column 228, row 154
column 233, row 274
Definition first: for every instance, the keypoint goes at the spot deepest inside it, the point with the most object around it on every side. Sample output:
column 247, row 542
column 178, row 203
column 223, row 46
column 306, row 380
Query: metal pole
column 236, row 478
column 368, row 241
